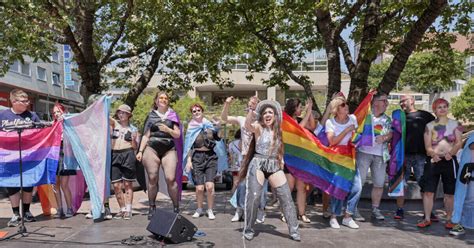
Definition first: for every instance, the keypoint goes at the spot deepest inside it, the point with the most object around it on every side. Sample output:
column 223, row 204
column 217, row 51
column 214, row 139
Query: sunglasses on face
column 342, row 105
column 23, row 101
column 196, row 111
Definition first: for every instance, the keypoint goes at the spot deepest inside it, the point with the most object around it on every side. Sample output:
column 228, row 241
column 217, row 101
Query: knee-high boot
column 252, row 200
column 289, row 210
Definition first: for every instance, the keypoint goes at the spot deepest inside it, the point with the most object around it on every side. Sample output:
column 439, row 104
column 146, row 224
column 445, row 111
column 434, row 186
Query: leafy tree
column 463, row 105
column 426, row 72
column 138, row 35
column 398, row 27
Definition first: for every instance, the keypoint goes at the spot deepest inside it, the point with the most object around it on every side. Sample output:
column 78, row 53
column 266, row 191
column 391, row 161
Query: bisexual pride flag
column 40, row 156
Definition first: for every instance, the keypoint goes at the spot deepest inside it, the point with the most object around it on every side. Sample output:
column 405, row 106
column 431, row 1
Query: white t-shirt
column 318, row 129
column 337, row 128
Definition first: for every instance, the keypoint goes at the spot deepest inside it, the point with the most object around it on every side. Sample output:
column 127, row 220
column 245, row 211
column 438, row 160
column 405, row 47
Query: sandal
column 424, row 223
column 304, row 218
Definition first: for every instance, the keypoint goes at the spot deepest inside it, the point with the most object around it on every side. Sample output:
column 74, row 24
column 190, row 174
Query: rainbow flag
column 365, row 133
column 396, row 185
column 40, row 156
column 330, row 169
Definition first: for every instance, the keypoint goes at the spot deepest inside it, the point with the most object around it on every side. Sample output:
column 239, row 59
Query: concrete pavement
column 80, row 232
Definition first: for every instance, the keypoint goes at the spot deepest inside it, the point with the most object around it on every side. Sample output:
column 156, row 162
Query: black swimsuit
column 160, row 141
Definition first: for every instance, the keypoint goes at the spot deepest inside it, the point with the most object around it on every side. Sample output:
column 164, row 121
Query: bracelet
column 140, row 151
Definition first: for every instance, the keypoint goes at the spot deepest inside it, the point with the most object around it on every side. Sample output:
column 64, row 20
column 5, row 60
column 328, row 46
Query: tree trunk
column 412, row 39
column 326, row 28
column 368, row 46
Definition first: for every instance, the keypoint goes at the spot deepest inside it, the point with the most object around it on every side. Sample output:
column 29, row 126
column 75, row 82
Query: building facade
column 45, row 83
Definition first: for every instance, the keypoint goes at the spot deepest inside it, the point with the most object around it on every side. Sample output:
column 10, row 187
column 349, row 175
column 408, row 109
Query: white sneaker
column 89, row 215
column 210, row 214
column 237, row 216
column 260, row 216
column 349, row 222
column 334, row 224
column 198, row 213
column 377, row 214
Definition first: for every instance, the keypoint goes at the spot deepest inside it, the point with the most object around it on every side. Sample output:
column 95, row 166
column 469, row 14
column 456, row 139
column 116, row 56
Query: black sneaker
column 29, row 217
column 399, row 215
column 14, row 221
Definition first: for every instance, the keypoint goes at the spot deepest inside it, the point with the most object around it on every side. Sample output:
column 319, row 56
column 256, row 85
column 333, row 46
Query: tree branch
column 130, row 53
column 411, row 40
column 123, row 21
column 347, row 55
column 349, row 16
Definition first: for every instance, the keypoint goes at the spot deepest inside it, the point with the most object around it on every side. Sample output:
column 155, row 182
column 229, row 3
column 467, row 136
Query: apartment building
column 45, row 83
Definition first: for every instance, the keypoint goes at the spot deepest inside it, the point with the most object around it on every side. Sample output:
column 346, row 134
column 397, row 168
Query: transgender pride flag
column 40, row 155
column 87, row 134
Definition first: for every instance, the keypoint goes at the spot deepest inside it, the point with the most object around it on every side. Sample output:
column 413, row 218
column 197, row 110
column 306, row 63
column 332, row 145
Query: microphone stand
column 22, row 229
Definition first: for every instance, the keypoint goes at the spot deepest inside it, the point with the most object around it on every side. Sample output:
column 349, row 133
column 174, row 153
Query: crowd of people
column 432, row 151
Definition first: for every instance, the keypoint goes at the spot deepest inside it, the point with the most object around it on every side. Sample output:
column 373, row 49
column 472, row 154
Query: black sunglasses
column 196, row 110
column 343, row 105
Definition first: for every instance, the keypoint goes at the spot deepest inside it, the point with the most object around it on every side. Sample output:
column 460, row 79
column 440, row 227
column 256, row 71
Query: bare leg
column 128, row 193
column 199, row 195
column 428, row 204
column 376, row 196
column 448, row 205
column 210, row 194
column 67, row 192
column 119, row 194
column 301, row 196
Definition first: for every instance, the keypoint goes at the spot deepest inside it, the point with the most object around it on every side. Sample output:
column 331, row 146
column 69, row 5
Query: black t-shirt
column 416, row 123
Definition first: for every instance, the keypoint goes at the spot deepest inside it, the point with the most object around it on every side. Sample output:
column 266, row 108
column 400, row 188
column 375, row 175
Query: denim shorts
column 377, row 168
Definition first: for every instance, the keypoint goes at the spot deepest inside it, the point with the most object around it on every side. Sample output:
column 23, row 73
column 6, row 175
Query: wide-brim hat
column 261, row 106
column 124, row 108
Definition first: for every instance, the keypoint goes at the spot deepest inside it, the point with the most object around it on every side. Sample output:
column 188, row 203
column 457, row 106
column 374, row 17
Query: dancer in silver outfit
column 265, row 156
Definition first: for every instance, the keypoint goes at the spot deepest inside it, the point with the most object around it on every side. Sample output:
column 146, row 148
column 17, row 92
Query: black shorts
column 123, row 165
column 61, row 171
column 446, row 169
column 12, row 191
column 204, row 167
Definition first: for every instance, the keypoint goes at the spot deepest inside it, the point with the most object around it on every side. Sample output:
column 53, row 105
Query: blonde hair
column 17, row 93
column 335, row 103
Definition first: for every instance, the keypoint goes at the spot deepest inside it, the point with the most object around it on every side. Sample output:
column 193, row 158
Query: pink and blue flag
column 40, row 156
column 87, row 134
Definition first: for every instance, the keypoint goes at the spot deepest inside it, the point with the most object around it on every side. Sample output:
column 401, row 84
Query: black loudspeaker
column 171, row 226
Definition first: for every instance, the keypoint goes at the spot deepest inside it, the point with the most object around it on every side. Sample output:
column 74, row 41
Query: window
column 56, row 79
column 41, row 73
column 15, row 66
column 418, row 98
column 25, row 69
column 55, row 57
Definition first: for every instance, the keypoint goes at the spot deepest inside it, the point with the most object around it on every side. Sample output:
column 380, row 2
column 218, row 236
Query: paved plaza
column 81, row 232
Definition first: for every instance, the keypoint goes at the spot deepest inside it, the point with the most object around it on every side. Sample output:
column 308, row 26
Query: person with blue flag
column 208, row 155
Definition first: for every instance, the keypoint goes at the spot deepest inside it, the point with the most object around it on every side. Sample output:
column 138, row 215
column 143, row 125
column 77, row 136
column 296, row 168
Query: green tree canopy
column 426, row 72
column 463, row 105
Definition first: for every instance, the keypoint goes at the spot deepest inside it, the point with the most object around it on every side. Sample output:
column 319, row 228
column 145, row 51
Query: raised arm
column 308, row 120
column 225, row 112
